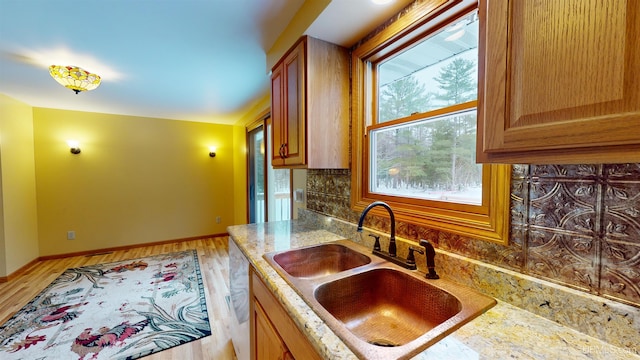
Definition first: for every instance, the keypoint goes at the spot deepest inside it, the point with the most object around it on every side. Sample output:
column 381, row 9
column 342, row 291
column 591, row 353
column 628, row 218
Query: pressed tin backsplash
column 576, row 225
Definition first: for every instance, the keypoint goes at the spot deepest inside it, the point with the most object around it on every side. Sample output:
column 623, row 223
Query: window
column 414, row 134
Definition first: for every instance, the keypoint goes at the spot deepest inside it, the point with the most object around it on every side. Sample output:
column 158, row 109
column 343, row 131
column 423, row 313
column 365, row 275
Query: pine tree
column 397, row 150
column 403, row 97
column 458, row 80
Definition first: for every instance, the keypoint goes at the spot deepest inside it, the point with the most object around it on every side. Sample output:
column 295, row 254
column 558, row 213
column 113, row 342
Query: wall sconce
column 74, row 146
column 212, row 151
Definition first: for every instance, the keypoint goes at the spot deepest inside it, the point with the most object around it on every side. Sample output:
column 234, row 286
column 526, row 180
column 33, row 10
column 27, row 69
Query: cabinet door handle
column 281, row 152
column 285, row 151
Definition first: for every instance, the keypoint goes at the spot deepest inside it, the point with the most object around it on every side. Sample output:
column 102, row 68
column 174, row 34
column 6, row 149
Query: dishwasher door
column 239, row 301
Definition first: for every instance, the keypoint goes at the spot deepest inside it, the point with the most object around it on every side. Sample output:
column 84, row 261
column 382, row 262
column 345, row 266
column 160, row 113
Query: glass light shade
column 74, row 146
column 73, row 143
column 74, row 78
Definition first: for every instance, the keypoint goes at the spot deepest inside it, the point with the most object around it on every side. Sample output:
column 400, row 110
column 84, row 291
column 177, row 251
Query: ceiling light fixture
column 455, row 36
column 74, row 78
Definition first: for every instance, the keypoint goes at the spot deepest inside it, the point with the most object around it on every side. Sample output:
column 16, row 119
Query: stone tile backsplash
column 575, row 225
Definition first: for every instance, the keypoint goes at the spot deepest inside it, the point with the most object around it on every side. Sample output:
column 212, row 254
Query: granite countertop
column 503, row 332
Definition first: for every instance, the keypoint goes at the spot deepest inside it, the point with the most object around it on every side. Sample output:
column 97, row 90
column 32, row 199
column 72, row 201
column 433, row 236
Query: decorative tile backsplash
column 575, row 225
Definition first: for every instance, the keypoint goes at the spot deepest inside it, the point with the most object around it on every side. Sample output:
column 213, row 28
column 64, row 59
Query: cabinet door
column 277, row 117
column 269, row 346
column 294, row 100
column 277, row 325
column 560, row 81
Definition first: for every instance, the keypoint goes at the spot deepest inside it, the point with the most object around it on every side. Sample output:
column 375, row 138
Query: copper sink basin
column 320, row 260
column 378, row 309
column 387, row 307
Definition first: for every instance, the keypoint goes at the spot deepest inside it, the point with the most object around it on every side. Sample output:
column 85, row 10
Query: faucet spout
column 392, row 239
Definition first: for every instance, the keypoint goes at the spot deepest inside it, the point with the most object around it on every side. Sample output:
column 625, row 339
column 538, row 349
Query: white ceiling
column 197, row 60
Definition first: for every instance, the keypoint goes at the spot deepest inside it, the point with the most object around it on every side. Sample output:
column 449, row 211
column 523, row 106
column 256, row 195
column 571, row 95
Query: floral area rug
column 121, row 310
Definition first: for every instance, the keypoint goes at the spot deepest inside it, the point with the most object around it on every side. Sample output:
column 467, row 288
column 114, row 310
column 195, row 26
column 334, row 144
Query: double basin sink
column 378, row 309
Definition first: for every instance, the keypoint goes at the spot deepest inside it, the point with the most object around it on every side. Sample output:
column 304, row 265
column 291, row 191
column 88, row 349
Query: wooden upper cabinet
column 559, row 81
column 310, row 106
column 277, row 109
column 288, row 93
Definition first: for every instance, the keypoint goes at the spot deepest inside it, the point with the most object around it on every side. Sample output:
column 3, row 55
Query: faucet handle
column 411, row 259
column 376, row 244
column 430, row 255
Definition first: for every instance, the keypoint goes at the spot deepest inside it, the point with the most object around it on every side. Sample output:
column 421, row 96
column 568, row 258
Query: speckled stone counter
column 503, row 332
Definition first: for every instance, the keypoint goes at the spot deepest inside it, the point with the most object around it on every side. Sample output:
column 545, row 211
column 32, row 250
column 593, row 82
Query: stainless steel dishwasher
column 239, row 301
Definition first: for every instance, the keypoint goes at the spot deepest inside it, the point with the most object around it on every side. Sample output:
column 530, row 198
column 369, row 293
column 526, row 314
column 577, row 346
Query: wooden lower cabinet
column 274, row 335
column 269, row 345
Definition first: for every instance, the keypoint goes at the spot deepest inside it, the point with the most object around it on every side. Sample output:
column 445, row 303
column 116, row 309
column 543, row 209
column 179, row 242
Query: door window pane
column 279, row 190
column 256, row 176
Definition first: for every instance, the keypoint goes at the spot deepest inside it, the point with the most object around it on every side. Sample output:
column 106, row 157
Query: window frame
column 488, row 221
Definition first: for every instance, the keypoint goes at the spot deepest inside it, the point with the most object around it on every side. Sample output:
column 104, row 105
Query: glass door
column 269, row 189
column 256, row 160
column 279, row 189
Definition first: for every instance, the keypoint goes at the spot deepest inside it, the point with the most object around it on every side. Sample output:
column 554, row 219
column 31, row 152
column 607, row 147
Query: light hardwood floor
column 214, row 265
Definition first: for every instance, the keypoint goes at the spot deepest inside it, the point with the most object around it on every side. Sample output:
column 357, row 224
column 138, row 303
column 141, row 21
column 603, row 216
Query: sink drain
column 383, row 343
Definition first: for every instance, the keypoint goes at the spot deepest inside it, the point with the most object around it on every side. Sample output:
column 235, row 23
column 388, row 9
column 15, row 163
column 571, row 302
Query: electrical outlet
column 218, row 219
column 71, row 235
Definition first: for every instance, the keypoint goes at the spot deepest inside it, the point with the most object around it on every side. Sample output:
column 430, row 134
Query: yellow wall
column 18, row 223
column 137, row 180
